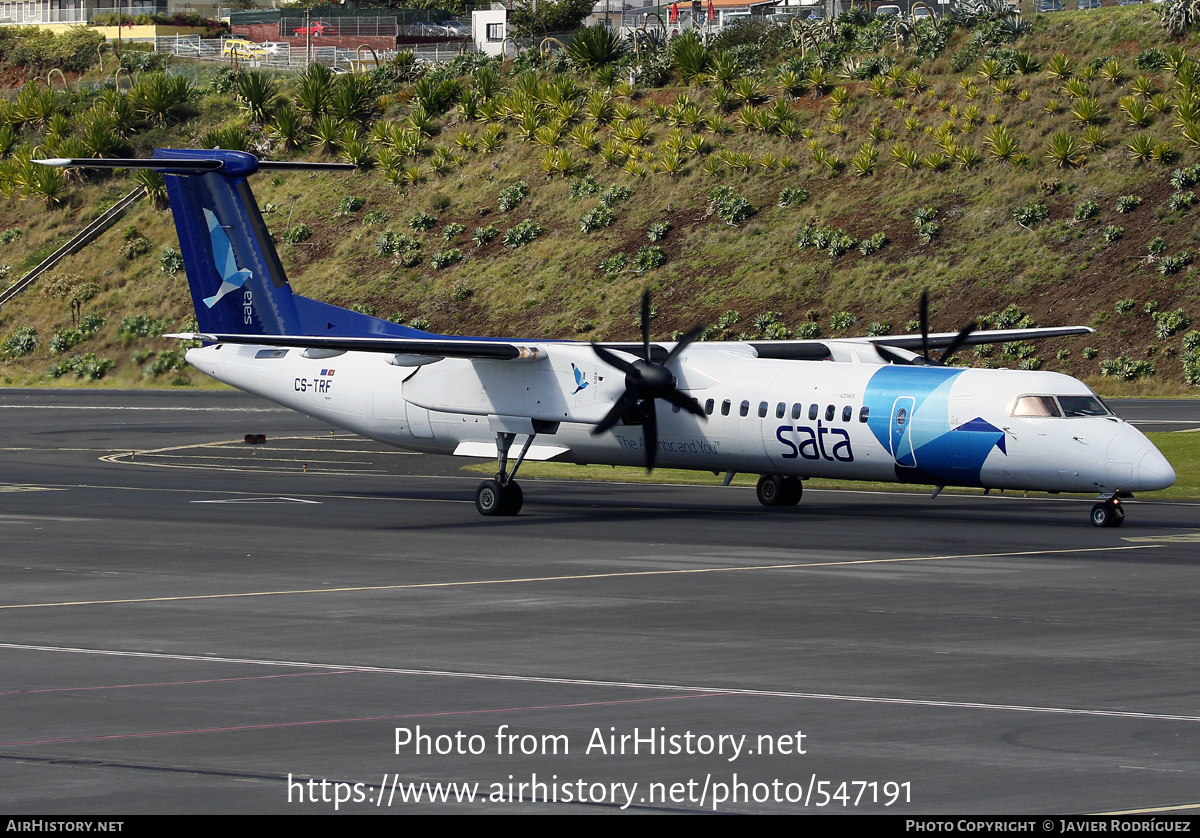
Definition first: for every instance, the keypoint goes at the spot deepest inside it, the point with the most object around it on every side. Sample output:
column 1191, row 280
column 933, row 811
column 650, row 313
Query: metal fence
column 283, row 56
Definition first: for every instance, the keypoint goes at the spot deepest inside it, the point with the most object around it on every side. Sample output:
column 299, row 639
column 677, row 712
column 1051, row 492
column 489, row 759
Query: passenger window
column 797, row 410
column 812, row 412
column 762, row 410
column 780, row 410
column 725, row 405
column 847, row 412
column 864, row 414
column 708, row 407
column 829, row 413
column 1033, row 406
column 745, row 409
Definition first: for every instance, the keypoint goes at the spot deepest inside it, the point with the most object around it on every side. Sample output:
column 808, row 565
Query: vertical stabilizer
column 237, row 282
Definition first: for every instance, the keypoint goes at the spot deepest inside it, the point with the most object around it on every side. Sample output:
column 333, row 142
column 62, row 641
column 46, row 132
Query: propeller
column 901, row 356
column 646, row 381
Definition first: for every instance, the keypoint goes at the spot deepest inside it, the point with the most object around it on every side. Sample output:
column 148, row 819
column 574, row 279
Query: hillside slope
column 1000, row 168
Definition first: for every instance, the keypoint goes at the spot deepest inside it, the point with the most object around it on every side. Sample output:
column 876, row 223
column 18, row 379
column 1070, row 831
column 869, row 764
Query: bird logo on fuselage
column 580, row 380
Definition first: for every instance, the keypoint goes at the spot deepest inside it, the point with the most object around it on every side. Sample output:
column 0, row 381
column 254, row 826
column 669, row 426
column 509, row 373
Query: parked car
column 885, row 11
column 316, row 29
column 1087, row 4
column 242, row 48
column 922, row 13
column 1050, row 6
column 275, row 47
column 1129, row 2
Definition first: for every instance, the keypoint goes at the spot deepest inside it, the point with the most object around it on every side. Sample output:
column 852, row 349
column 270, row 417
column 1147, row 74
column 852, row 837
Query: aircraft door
column 901, row 436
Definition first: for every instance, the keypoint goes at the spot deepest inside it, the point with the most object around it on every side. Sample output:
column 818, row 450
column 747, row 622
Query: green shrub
column 1112, row 233
column 615, row 264
column 792, row 196
column 584, row 187
column 170, row 261
column 1128, row 203
column 451, row 231
column 1125, row 306
column 512, row 197
column 1086, row 210
column 422, row 221
column 729, row 206
column 446, row 258
column 1126, row 369
column 10, row 235
column 1031, row 213
column 523, row 234
column 483, row 235
column 657, row 231
column 649, row 258
column 614, row 195
column 597, row 218
column 297, row 233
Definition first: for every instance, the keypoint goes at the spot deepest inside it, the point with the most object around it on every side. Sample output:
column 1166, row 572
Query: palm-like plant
column 1064, row 151
column 316, row 86
column 257, row 94
column 690, row 57
column 327, row 133
column 1141, row 147
column 1000, row 143
column 1060, row 67
column 1137, row 111
column 592, row 47
column 1087, row 111
column 160, row 98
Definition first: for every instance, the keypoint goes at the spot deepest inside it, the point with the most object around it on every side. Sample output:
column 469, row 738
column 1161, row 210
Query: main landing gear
column 775, row 490
column 1108, row 513
column 501, row 495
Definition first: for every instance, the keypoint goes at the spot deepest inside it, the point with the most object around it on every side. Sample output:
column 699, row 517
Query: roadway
column 186, row 621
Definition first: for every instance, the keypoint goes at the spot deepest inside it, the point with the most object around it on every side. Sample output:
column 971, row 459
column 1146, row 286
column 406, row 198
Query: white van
column 885, row 11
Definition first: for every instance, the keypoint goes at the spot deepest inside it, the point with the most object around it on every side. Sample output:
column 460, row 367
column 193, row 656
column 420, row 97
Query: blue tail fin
column 237, row 281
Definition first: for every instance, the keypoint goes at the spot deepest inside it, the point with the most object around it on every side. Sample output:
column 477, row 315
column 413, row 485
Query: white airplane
column 851, row 408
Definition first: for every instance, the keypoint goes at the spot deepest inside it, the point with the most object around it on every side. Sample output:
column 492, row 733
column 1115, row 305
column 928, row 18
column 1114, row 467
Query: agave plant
column 327, row 133
column 257, row 94
column 316, row 86
column 863, row 161
column 160, row 98
column 154, row 185
column 1076, row 88
column 352, row 99
column 1141, row 147
column 1060, row 67
column 690, row 58
column 1000, row 143
column 1137, row 111
column 1064, row 151
column 1087, row 111
column 592, row 47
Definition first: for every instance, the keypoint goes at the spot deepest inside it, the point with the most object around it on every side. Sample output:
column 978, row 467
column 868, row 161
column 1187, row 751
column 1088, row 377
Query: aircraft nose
column 1154, row 472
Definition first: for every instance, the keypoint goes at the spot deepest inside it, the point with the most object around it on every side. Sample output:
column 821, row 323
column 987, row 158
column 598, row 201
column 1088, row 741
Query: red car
column 316, row 29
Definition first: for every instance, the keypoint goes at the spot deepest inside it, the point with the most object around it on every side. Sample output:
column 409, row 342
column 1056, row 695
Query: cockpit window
column 1082, row 406
column 1036, row 406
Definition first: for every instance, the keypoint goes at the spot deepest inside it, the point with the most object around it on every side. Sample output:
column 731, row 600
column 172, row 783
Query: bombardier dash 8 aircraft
column 852, row 408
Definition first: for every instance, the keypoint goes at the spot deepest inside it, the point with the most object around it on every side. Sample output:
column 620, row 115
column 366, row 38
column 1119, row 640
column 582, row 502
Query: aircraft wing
column 478, row 348
column 941, row 340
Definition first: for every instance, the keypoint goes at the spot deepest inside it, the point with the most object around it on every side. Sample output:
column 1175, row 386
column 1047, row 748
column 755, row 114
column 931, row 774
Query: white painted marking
column 258, row 500
column 629, row 685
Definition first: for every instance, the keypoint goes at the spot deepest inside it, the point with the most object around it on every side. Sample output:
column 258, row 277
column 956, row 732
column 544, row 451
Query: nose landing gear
column 1108, row 513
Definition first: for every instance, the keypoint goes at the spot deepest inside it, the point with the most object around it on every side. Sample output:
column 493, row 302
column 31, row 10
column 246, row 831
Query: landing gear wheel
column 774, row 490
column 493, row 499
column 514, row 498
column 1107, row 514
column 793, row 490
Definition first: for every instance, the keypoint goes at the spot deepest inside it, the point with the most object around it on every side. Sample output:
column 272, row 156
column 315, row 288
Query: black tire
column 1118, row 516
column 514, row 499
column 489, row 498
column 793, row 490
column 770, row 490
column 1102, row 515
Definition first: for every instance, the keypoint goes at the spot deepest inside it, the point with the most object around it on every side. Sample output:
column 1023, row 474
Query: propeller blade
column 614, row 360
column 616, row 414
column 646, row 325
column 684, row 342
column 650, row 435
column 686, row 403
column 923, row 314
column 959, row 340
